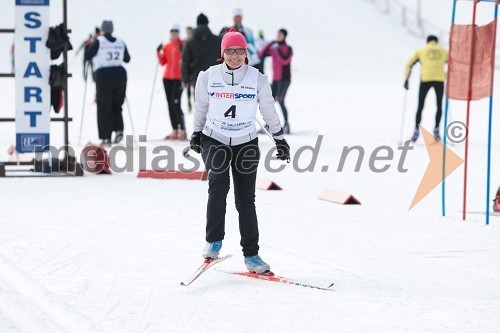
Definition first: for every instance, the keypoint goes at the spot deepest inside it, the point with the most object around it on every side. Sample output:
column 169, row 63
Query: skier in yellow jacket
column 432, row 58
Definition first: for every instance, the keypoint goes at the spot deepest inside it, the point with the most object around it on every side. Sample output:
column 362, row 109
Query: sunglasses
column 237, row 51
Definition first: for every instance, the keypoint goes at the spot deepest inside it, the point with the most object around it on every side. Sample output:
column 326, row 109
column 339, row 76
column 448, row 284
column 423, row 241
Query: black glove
column 158, row 49
column 283, row 150
column 195, row 142
column 406, row 85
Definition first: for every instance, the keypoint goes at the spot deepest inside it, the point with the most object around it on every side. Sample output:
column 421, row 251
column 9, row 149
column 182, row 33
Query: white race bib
column 232, row 109
column 110, row 54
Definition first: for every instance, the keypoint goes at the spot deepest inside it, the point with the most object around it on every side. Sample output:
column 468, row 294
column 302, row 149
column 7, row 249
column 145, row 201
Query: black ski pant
column 189, row 96
column 243, row 161
column 173, row 90
column 110, row 97
column 422, row 93
column 86, row 65
column 279, row 89
column 192, row 84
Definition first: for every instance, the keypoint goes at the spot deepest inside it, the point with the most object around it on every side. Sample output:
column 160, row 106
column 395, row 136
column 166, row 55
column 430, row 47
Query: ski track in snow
column 31, row 307
column 379, row 289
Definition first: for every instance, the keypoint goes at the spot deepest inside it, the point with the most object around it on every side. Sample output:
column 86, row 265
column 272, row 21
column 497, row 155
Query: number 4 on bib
column 231, row 112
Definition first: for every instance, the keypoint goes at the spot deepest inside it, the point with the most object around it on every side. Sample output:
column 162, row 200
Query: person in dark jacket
column 84, row 46
column 189, row 35
column 200, row 52
column 109, row 53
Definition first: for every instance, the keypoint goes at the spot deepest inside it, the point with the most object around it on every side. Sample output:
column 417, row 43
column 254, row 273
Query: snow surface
column 107, row 253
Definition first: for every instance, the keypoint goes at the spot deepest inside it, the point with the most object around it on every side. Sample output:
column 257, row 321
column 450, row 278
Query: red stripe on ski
column 204, row 267
column 265, row 276
column 275, row 278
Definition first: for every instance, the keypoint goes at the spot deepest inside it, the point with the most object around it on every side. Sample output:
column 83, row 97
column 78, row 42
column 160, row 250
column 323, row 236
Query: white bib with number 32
column 110, row 54
column 232, row 109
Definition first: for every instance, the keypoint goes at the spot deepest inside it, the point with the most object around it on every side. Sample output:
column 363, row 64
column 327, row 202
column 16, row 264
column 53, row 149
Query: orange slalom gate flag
column 482, row 61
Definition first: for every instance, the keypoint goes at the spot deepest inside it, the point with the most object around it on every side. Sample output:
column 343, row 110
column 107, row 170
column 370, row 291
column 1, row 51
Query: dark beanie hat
column 201, row 20
column 284, row 32
column 432, row 38
column 107, row 27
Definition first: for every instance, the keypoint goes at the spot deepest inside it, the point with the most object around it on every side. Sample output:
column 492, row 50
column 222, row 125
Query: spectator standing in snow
column 223, row 31
column 225, row 134
column 84, row 46
column 253, row 54
column 189, row 35
column 260, row 43
column 200, row 52
column 189, row 32
column 109, row 54
column 432, row 58
column 281, row 54
column 169, row 55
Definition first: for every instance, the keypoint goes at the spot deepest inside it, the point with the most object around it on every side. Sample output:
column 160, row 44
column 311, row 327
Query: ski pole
column 130, row 117
column 151, row 99
column 403, row 118
column 269, row 135
column 265, row 130
column 83, row 106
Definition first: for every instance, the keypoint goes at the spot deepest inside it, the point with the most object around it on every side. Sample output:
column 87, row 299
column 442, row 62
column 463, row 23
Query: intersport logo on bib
column 228, row 95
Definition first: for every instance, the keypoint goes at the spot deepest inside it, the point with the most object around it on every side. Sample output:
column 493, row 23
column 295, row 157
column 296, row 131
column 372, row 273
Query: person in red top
column 170, row 55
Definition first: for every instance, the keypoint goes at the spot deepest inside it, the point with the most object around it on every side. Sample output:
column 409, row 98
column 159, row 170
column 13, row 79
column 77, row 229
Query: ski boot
column 415, row 135
column 255, row 264
column 118, row 137
column 173, row 136
column 212, row 250
column 106, row 142
column 286, row 128
column 436, row 134
column 182, row 135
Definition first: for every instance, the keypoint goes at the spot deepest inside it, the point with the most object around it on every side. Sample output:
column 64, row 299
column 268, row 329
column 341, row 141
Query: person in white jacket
column 252, row 52
column 226, row 100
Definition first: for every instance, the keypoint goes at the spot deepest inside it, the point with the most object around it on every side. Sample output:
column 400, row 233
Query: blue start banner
column 32, row 60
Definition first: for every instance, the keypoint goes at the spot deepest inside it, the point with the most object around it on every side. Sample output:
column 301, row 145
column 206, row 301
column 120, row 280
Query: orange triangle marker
column 434, row 173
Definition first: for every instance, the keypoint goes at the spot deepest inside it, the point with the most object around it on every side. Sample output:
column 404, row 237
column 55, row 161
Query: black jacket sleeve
column 187, row 58
column 91, row 51
column 287, row 54
column 126, row 56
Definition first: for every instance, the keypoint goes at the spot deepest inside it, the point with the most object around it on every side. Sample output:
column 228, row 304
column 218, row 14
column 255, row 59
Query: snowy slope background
column 107, row 253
